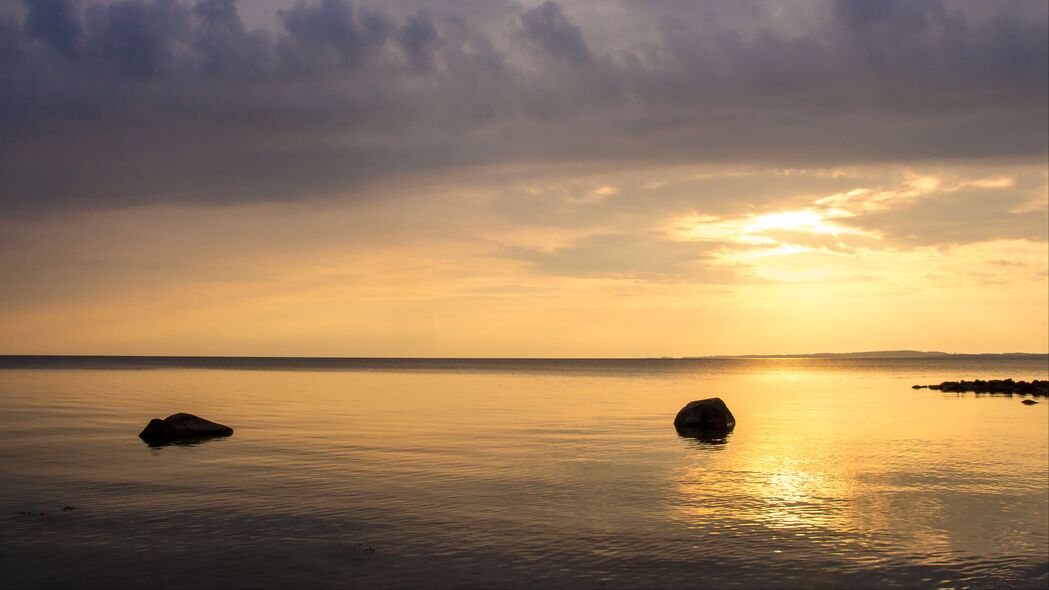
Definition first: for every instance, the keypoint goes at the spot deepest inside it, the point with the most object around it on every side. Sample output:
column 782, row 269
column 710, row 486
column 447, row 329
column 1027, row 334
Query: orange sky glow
column 557, row 179
column 453, row 270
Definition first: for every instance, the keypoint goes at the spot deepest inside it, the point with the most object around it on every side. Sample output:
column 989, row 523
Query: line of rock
column 1037, row 388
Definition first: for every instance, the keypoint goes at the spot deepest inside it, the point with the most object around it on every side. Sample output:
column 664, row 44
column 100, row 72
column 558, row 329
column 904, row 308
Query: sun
column 805, row 220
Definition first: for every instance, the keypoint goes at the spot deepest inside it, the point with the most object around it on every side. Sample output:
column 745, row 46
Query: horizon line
column 916, row 353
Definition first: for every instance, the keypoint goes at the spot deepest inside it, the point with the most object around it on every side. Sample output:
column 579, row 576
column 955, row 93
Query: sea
column 521, row 473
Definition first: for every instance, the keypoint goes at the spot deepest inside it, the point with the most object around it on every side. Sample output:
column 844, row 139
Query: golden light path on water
column 797, row 480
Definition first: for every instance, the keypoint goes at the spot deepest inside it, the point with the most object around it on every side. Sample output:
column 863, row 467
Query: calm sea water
column 521, row 473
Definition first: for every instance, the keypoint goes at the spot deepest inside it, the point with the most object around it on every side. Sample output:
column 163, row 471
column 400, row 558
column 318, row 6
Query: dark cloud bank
column 113, row 103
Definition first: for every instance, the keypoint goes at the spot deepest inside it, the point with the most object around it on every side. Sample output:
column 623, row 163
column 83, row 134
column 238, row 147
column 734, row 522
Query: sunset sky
column 502, row 178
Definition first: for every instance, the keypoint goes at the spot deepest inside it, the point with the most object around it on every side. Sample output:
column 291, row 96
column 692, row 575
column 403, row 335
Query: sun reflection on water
column 776, row 491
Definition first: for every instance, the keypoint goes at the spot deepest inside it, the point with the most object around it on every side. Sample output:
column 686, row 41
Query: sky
column 527, row 179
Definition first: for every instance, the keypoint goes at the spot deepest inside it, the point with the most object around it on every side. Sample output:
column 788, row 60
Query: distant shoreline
column 887, row 354
column 177, row 360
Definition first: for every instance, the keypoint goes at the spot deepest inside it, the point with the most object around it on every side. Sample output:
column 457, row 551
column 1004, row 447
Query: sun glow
column 806, row 220
column 766, row 229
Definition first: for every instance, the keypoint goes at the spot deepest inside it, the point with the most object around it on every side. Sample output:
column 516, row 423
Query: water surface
column 452, row 473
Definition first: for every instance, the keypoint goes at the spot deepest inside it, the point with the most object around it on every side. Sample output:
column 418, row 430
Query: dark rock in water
column 1036, row 387
column 1028, row 402
column 917, row 387
column 182, row 427
column 705, row 415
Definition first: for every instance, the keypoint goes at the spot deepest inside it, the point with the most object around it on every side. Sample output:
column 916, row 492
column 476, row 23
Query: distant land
column 883, row 354
column 220, row 361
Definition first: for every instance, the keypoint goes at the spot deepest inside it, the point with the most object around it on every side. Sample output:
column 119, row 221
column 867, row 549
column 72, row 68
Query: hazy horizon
column 889, row 354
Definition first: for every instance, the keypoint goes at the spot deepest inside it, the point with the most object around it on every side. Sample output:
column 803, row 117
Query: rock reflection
column 705, row 437
column 183, row 442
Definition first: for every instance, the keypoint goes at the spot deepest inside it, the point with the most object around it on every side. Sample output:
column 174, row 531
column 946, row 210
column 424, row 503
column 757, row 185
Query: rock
column 182, row 427
column 705, row 415
column 917, row 387
column 1028, row 402
column 1036, row 387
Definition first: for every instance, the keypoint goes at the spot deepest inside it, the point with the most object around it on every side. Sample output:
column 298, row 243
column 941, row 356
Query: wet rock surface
column 704, row 416
column 182, row 427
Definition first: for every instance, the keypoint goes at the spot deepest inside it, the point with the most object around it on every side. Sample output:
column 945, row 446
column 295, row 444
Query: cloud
column 108, row 104
column 820, row 226
column 637, row 255
column 332, row 33
column 419, row 39
column 547, row 27
column 962, row 216
column 54, row 22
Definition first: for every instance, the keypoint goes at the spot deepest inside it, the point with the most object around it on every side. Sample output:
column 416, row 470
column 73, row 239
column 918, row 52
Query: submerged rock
column 1028, row 402
column 705, row 415
column 182, row 426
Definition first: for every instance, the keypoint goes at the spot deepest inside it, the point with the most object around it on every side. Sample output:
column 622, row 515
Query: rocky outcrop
column 182, row 427
column 705, row 415
column 996, row 386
